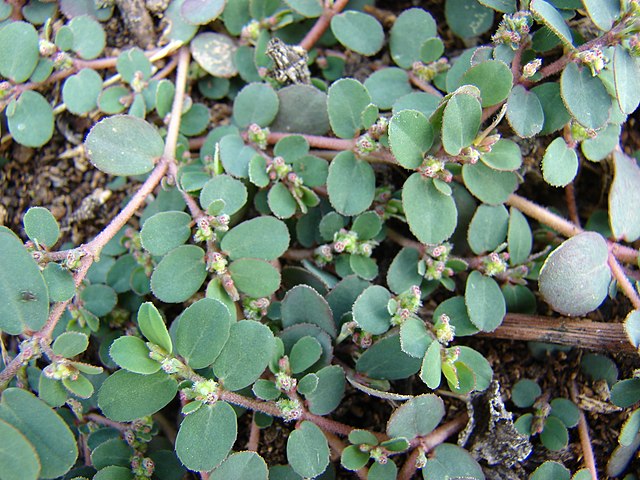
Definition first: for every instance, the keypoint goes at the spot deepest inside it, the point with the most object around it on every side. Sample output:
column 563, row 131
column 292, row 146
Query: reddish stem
column 316, row 141
column 254, row 435
column 623, row 281
column 322, row 24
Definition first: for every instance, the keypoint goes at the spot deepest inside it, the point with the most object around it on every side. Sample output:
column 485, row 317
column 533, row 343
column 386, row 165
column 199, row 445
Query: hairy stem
column 322, row 24
column 583, row 432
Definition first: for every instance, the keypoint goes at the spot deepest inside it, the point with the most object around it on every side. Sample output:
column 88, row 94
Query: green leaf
column 43, row 428
column 41, row 226
column 358, row 31
column 467, row 18
column 488, row 228
column 626, row 74
column 152, row 326
column 343, row 295
column 567, row 411
column 262, row 237
column 25, row 300
column 549, row 16
column 550, row 471
column 417, row 417
column 460, row 122
column 255, row 103
column 206, row 436
column 304, row 354
column 410, row 136
column 245, row 355
column 598, row 148
column 632, row 327
column 112, row 452
column 385, row 360
column 479, row 365
column 524, row 112
column 89, row 38
column 307, row 450
column 383, row 471
column 226, row 188
column 484, row 300
column 555, row 113
column 489, row 185
column 312, row 120
column 281, row 201
column 201, row 12
column 431, row 368
column 111, row 100
column 195, row 120
column 19, row 52
column 133, row 61
column 602, row 13
column 414, row 338
column 114, row 472
column 165, row 231
column 626, row 392
column 554, row 436
column 241, row 466
column 353, row 458
column 403, row 272
column 70, row 344
column 519, row 238
column 575, row 278
column 346, row 101
column 364, row 267
column 450, row 461
column 385, row 87
column 504, row 6
column 126, row 396
column 302, row 304
column 624, row 198
column 493, row 78
column 59, row 282
column 559, row 163
column 504, row 155
column 585, row 96
column 124, row 145
column 327, row 395
column 179, row 274
column 432, row 215
column 350, row 183
column 630, row 429
column 370, row 310
column 18, row 457
column 202, row 331
column 599, row 367
column 214, row 52
column 525, row 393
column 80, row 91
column 30, row 119
column 235, row 155
column 410, row 30
column 423, row 102
column 255, row 277
column 306, row 8
column 456, row 310
column 132, row 354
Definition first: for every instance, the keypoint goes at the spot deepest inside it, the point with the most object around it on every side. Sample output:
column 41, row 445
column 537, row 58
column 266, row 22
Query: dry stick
column 576, row 332
column 93, row 248
column 583, row 432
column 322, row 24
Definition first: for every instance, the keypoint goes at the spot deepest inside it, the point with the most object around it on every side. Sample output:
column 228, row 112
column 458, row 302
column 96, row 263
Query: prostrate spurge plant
column 267, row 230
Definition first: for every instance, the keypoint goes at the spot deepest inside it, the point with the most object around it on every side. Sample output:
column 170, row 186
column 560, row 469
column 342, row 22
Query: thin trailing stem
column 316, row 141
column 583, row 432
column 424, row 86
column 565, row 227
column 572, row 205
column 254, row 435
column 100, row 420
column 322, row 24
column 429, row 442
column 623, row 281
column 92, row 249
